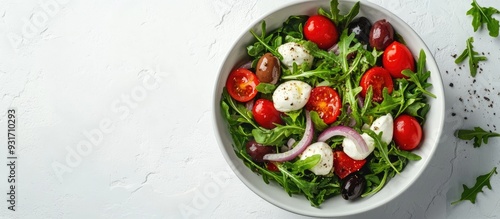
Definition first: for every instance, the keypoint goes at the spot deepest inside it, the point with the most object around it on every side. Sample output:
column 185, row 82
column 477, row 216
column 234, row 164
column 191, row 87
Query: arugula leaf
column 471, row 193
column 265, row 88
column 380, row 185
column 264, row 41
column 293, row 115
column 308, row 188
column 407, row 154
column 478, row 134
column 341, row 21
column 474, row 59
column 275, row 136
column 353, row 102
column 318, row 123
column 382, row 147
column 243, row 115
column 420, row 78
column 293, row 26
column 300, row 166
column 481, row 15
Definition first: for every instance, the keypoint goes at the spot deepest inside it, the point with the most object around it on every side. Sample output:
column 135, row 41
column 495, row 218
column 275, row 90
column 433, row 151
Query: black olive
column 361, row 27
column 381, row 35
column 257, row 151
column 353, row 186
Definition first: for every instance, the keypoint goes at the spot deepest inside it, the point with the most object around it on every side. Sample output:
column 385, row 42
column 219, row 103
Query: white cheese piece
column 294, row 52
column 325, row 165
column 291, row 95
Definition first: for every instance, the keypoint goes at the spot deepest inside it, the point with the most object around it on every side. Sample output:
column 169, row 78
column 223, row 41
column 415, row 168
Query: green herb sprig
column 478, row 134
column 484, row 15
column 471, row 193
column 474, row 59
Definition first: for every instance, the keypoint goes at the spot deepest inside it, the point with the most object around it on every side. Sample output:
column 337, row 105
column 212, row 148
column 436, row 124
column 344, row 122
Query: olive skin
column 257, row 151
column 381, row 34
column 268, row 69
column 361, row 27
column 353, row 186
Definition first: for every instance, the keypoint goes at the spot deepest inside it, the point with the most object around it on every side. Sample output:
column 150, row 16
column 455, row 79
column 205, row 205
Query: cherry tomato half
column 265, row 114
column 407, row 132
column 321, row 30
column 271, row 166
column 377, row 78
column 343, row 165
column 241, row 84
column 326, row 101
column 397, row 57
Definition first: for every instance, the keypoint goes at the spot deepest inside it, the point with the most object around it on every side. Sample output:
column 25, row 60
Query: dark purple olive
column 257, row 151
column 361, row 28
column 381, row 34
column 353, row 186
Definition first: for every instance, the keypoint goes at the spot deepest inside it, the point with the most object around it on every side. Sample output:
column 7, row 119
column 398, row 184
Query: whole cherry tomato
column 321, row 30
column 265, row 114
column 377, row 78
column 241, row 84
column 326, row 101
column 407, row 132
column 397, row 57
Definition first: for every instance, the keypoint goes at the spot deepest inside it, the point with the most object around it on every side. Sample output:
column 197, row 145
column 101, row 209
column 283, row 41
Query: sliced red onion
column 249, row 104
column 346, row 132
column 334, row 49
column 299, row 148
column 352, row 121
column 361, row 101
column 247, row 65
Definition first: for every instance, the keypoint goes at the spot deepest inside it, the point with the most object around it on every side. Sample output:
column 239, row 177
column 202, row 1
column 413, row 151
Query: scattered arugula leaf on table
column 474, row 59
column 481, row 15
column 478, row 134
column 471, row 193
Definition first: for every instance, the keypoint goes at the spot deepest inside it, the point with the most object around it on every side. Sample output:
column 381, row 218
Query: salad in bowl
column 329, row 102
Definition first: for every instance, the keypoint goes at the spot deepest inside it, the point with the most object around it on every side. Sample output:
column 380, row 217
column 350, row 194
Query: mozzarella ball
column 352, row 151
column 384, row 124
column 294, row 52
column 325, row 165
column 291, row 95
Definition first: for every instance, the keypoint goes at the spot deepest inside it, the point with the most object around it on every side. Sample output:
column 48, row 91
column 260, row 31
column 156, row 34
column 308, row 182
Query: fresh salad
column 327, row 104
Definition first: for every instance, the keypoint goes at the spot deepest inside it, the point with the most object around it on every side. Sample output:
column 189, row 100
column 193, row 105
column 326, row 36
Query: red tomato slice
column 271, row 166
column 265, row 114
column 397, row 57
column 241, row 84
column 344, row 165
column 326, row 101
column 377, row 78
column 321, row 30
column 407, row 132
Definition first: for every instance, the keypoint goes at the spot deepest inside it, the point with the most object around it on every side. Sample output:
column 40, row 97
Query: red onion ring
column 299, row 148
column 249, row 104
column 346, row 132
column 247, row 65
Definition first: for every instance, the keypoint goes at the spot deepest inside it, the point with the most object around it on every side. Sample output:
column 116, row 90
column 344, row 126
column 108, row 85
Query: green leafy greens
column 471, row 193
column 478, row 134
column 474, row 59
column 484, row 15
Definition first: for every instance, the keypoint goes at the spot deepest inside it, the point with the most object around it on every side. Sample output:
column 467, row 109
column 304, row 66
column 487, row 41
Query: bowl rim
column 438, row 87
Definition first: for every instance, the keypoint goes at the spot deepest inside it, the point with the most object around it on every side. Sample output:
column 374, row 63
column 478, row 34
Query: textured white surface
column 132, row 80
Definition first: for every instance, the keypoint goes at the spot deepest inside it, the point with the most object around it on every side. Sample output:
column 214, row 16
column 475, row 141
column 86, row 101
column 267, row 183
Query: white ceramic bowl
column 337, row 206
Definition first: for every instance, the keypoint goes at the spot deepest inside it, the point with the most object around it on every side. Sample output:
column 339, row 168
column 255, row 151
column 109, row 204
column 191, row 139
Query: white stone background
column 146, row 69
